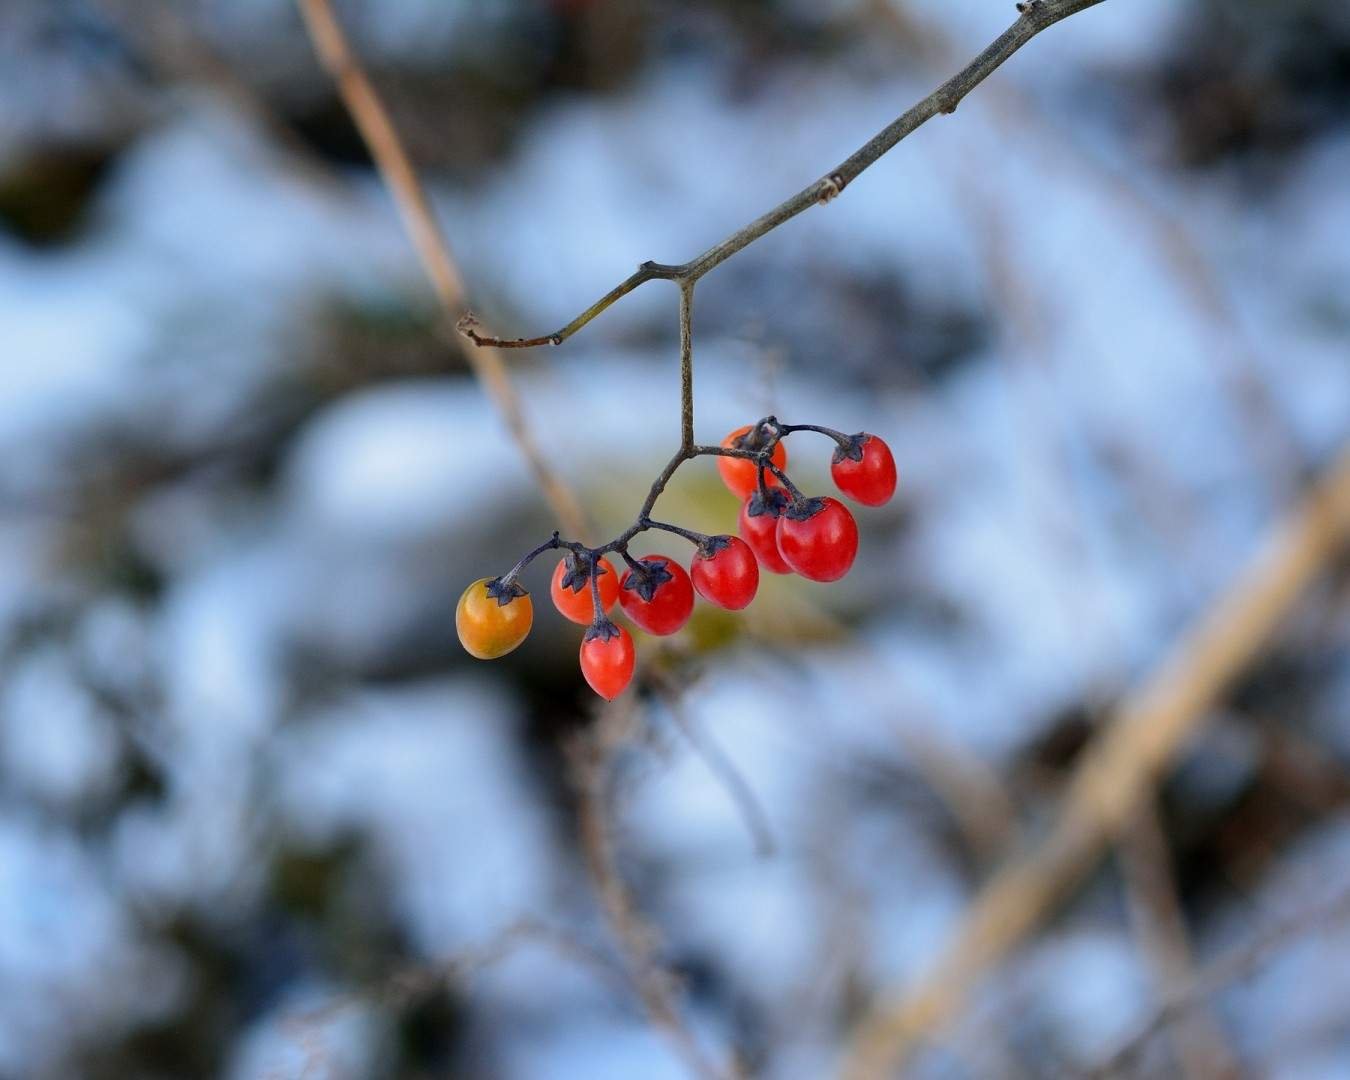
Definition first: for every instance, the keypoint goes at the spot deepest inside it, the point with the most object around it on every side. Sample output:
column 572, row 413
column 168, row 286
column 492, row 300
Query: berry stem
column 838, row 436
column 792, row 488
column 696, row 538
column 686, row 366
column 551, row 544
column 597, row 607
column 760, row 483
column 769, row 429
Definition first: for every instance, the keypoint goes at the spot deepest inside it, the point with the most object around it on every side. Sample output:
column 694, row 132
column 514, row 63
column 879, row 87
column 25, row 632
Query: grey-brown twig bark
column 1033, row 17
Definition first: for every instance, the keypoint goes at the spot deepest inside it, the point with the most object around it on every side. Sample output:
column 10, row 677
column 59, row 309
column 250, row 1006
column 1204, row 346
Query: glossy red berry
column 818, row 538
column 725, row 572
column 865, row 470
column 607, row 659
column 739, row 473
column 659, row 597
column 759, row 528
column 571, row 588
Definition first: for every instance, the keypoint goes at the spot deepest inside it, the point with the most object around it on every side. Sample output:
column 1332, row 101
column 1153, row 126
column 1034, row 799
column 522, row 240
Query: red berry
column 659, row 597
column 607, row 659
column 818, row 538
column 739, row 473
column 571, row 587
column 865, row 470
column 759, row 528
column 727, row 574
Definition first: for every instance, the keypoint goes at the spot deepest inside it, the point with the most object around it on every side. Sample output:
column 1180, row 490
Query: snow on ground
column 194, row 296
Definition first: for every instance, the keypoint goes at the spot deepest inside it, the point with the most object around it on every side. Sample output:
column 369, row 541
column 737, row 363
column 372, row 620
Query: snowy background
column 260, row 816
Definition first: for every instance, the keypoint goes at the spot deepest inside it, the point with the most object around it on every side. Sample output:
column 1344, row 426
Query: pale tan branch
column 396, row 168
column 1144, row 736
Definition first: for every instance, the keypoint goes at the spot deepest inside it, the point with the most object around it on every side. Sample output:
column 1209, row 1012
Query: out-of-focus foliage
column 248, row 780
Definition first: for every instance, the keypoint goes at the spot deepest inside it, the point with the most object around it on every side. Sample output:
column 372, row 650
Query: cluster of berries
column 781, row 530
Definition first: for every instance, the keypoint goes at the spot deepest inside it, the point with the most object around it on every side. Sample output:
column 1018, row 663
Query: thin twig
column 686, row 365
column 590, row 759
column 1236, row 360
column 722, row 767
column 1160, row 925
column 1232, row 966
column 1034, row 16
column 410, row 985
column 971, row 791
column 372, row 120
column 162, row 36
column 1148, row 731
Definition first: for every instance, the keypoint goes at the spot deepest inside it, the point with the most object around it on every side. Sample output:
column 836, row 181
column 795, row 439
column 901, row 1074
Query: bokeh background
column 260, row 816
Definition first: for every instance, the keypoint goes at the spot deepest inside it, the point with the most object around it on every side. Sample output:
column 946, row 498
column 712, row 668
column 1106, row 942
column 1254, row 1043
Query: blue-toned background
column 254, row 796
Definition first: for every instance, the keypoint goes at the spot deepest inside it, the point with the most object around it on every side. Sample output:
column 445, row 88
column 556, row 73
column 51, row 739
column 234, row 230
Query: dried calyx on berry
column 647, row 576
column 577, row 575
column 504, row 591
column 852, row 450
column 711, row 545
column 772, row 501
column 803, row 509
column 757, row 437
column 602, row 630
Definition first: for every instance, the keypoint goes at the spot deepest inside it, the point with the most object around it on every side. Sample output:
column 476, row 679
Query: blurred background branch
column 372, row 119
column 1148, row 730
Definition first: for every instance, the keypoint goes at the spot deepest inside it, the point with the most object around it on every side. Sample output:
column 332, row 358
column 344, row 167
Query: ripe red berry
column 759, row 528
column 571, row 587
column 739, row 473
column 865, row 470
column 659, row 597
column 818, row 538
column 607, row 659
column 725, row 573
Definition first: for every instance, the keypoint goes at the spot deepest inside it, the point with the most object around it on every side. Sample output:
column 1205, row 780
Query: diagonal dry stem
column 1145, row 735
column 376, row 128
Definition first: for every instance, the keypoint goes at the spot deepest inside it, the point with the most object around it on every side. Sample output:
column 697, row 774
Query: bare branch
column 590, row 758
column 1160, row 925
column 410, row 985
column 372, row 120
column 1034, row 16
column 1146, row 734
column 721, row 766
column 1233, row 965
